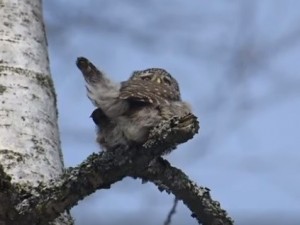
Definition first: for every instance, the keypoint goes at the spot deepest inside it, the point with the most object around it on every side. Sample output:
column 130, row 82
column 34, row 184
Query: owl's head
column 158, row 76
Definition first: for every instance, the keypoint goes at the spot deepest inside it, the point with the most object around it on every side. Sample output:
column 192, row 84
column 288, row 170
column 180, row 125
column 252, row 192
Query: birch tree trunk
column 29, row 138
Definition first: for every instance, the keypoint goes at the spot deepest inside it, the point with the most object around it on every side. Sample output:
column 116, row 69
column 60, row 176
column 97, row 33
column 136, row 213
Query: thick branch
column 101, row 170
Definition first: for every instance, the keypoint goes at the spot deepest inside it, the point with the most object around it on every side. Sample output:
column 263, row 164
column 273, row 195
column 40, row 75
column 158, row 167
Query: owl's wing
column 99, row 118
column 141, row 91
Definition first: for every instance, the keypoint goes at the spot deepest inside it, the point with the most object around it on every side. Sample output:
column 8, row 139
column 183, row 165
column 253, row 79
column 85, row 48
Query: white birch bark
column 29, row 138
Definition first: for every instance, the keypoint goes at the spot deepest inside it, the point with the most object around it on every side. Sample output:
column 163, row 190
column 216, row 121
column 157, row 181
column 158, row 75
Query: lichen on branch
column 99, row 171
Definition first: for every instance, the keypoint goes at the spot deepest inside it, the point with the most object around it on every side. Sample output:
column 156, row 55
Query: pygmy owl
column 127, row 111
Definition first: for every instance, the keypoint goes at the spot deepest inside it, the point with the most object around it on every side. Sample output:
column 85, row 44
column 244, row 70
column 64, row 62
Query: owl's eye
column 147, row 78
column 167, row 80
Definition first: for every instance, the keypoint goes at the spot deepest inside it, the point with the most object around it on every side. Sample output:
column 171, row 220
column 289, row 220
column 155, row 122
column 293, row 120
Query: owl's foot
column 174, row 131
column 188, row 123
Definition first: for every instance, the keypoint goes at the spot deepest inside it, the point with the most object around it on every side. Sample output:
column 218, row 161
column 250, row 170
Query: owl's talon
column 188, row 123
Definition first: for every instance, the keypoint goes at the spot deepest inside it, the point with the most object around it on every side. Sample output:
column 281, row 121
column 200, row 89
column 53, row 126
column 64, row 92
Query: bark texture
column 101, row 170
column 29, row 142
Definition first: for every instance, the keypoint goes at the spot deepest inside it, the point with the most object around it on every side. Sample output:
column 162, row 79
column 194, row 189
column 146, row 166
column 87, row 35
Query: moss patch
column 2, row 89
column 12, row 155
column 37, row 145
column 44, row 81
column 47, row 83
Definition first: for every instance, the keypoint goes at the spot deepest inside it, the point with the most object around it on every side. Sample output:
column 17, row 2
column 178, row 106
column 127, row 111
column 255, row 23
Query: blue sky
column 237, row 63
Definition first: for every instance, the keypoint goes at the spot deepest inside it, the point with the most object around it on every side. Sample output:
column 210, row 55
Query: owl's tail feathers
column 102, row 91
column 89, row 71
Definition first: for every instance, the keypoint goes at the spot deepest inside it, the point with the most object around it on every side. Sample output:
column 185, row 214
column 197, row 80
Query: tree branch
column 99, row 171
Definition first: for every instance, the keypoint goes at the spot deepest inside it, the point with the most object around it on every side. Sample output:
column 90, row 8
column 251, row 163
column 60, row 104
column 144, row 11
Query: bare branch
column 197, row 199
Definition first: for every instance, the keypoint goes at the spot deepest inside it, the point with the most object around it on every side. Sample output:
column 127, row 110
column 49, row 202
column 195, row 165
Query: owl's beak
column 158, row 80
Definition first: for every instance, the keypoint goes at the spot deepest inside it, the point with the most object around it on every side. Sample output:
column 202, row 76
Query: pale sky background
column 237, row 63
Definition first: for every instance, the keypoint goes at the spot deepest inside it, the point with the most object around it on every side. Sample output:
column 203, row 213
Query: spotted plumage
column 157, row 81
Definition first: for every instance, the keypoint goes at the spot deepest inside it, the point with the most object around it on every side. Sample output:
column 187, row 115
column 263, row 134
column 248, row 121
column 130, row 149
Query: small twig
column 172, row 212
